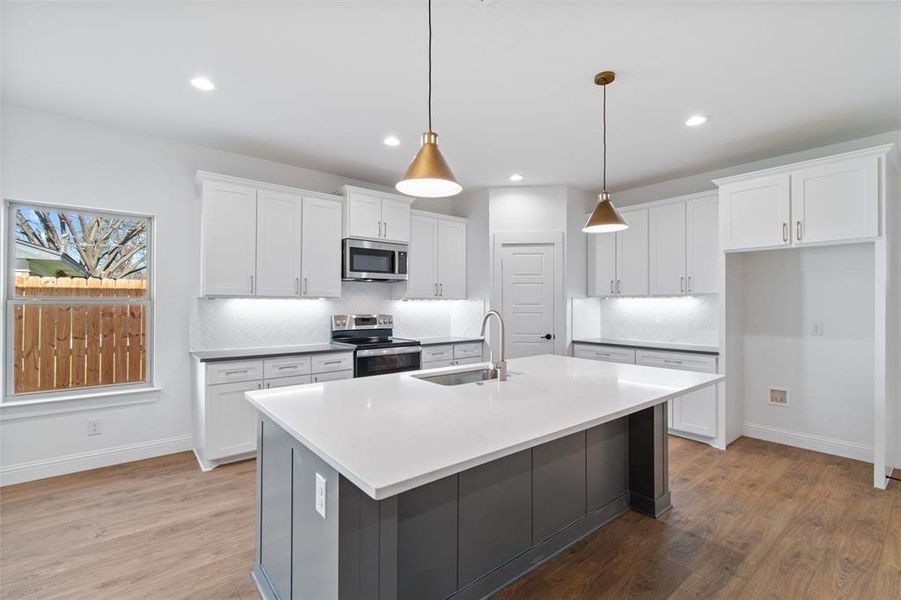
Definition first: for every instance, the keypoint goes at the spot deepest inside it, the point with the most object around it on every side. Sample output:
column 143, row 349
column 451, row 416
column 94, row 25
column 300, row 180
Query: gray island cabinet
column 394, row 487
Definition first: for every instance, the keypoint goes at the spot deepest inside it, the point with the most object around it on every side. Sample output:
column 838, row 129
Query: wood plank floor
column 758, row 521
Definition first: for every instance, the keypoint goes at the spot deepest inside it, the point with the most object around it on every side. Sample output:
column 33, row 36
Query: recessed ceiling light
column 516, row 177
column 392, row 141
column 695, row 120
column 202, row 83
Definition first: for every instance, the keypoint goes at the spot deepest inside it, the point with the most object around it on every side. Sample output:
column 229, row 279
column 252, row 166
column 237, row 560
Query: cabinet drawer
column 605, row 353
column 438, row 364
column 287, row 366
column 440, row 352
column 324, row 363
column 677, row 360
column 233, row 371
column 332, row 376
column 271, row 384
column 469, row 361
column 468, row 350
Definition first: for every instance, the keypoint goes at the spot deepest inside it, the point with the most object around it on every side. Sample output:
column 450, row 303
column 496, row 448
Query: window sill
column 76, row 402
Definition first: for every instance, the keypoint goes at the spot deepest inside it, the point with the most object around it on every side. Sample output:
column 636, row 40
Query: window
column 78, row 299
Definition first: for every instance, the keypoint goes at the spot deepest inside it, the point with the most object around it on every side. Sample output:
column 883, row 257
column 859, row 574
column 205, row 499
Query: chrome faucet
column 499, row 367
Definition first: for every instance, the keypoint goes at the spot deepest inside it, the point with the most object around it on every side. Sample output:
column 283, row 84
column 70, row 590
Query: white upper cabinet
column 667, row 249
column 601, row 264
column 826, row 200
column 320, row 249
column 395, row 220
column 423, row 257
column 363, row 215
column 632, row 254
column 228, row 239
column 437, row 259
column 702, row 246
column 374, row 215
column 264, row 240
column 451, row 259
column 756, row 213
column 836, row 201
column 278, row 244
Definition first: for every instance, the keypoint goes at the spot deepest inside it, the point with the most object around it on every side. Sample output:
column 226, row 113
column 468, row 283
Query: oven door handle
column 389, row 351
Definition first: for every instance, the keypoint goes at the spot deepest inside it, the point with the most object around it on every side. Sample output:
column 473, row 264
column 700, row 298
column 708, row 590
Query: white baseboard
column 83, row 461
column 809, row 441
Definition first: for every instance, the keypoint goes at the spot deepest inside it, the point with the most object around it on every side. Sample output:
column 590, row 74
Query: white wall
column 52, row 158
column 829, row 378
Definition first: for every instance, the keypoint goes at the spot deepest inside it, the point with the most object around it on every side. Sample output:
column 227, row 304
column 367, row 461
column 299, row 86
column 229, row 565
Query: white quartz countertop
column 676, row 346
column 267, row 352
column 449, row 339
column 391, row 433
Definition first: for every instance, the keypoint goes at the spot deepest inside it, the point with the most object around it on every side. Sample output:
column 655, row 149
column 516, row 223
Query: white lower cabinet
column 225, row 422
column 451, row 355
column 694, row 413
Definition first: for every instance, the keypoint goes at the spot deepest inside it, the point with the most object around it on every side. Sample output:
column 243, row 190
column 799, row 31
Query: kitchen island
column 395, row 487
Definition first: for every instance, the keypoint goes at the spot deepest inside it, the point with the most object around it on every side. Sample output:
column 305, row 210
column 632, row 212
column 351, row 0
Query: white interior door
column 527, row 303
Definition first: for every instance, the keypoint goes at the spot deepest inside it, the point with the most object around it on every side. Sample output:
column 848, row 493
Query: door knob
column 547, row 336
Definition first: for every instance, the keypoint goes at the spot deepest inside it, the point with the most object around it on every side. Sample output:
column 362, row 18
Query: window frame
column 10, row 300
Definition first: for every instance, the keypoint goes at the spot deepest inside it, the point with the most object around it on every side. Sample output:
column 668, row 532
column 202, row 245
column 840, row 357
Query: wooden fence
column 61, row 346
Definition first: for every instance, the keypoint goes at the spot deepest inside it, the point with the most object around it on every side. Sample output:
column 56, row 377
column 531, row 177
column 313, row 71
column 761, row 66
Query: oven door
column 378, row 261
column 380, row 361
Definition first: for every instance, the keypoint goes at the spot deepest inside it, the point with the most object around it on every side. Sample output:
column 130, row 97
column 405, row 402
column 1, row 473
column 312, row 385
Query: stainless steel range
column 376, row 350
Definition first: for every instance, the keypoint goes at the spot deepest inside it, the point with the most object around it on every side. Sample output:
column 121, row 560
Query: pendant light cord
column 604, row 112
column 430, row 65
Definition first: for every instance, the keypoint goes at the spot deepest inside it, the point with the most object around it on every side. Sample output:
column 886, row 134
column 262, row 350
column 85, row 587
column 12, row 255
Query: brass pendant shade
column 605, row 218
column 429, row 175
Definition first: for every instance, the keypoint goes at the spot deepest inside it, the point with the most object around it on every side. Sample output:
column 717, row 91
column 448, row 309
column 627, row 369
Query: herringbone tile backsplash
column 255, row 322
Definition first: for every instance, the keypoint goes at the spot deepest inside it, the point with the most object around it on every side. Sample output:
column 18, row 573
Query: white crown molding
column 202, row 176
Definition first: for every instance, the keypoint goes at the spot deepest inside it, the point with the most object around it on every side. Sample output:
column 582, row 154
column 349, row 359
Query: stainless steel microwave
column 364, row 260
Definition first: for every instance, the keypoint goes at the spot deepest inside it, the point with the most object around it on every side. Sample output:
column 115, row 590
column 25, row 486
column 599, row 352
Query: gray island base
column 463, row 536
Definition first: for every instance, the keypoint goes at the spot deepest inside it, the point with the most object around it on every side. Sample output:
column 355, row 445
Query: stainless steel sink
column 460, row 377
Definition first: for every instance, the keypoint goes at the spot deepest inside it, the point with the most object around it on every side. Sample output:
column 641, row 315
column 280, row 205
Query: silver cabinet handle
column 305, row 286
column 435, row 293
column 286, row 367
column 611, row 287
column 380, row 229
column 268, row 386
column 315, row 379
column 236, row 372
column 798, row 230
column 785, row 232
column 689, row 284
column 251, row 284
column 386, row 229
column 259, row 386
column 619, row 286
column 440, row 289
column 672, row 362
column 682, row 284
column 297, row 285
column 332, row 362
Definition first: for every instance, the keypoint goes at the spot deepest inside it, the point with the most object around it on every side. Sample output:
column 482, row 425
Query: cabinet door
column 666, row 226
column 321, row 248
column 756, row 213
column 702, row 245
column 363, row 215
column 837, row 201
column 280, row 382
column 230, row 419
column 278, row 244
column 333, row 376
column 395, row 220
column 632, row 255
column 422, row 259
column 228, row 239
column 438, row 364
column 601, row 264
column 696, row 412
column 451, row 259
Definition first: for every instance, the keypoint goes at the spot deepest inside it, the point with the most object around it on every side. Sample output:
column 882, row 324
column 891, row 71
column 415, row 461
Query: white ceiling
column 320, row 84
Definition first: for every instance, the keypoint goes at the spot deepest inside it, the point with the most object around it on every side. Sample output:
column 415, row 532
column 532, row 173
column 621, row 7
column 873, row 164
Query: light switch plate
column 320, row 495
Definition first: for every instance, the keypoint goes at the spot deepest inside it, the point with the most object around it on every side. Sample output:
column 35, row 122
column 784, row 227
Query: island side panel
column 275, row 471
column 558, row 485
column 649, row 461
column 607, row 463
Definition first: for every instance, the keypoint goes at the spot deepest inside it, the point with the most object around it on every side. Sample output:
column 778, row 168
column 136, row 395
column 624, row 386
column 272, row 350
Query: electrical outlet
column 320, row 495
column 95, row 426
column 816, row 328
column 778, row 397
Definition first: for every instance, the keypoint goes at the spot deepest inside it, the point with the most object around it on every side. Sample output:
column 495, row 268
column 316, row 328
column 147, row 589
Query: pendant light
column 605, row 218
column 429, row 176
